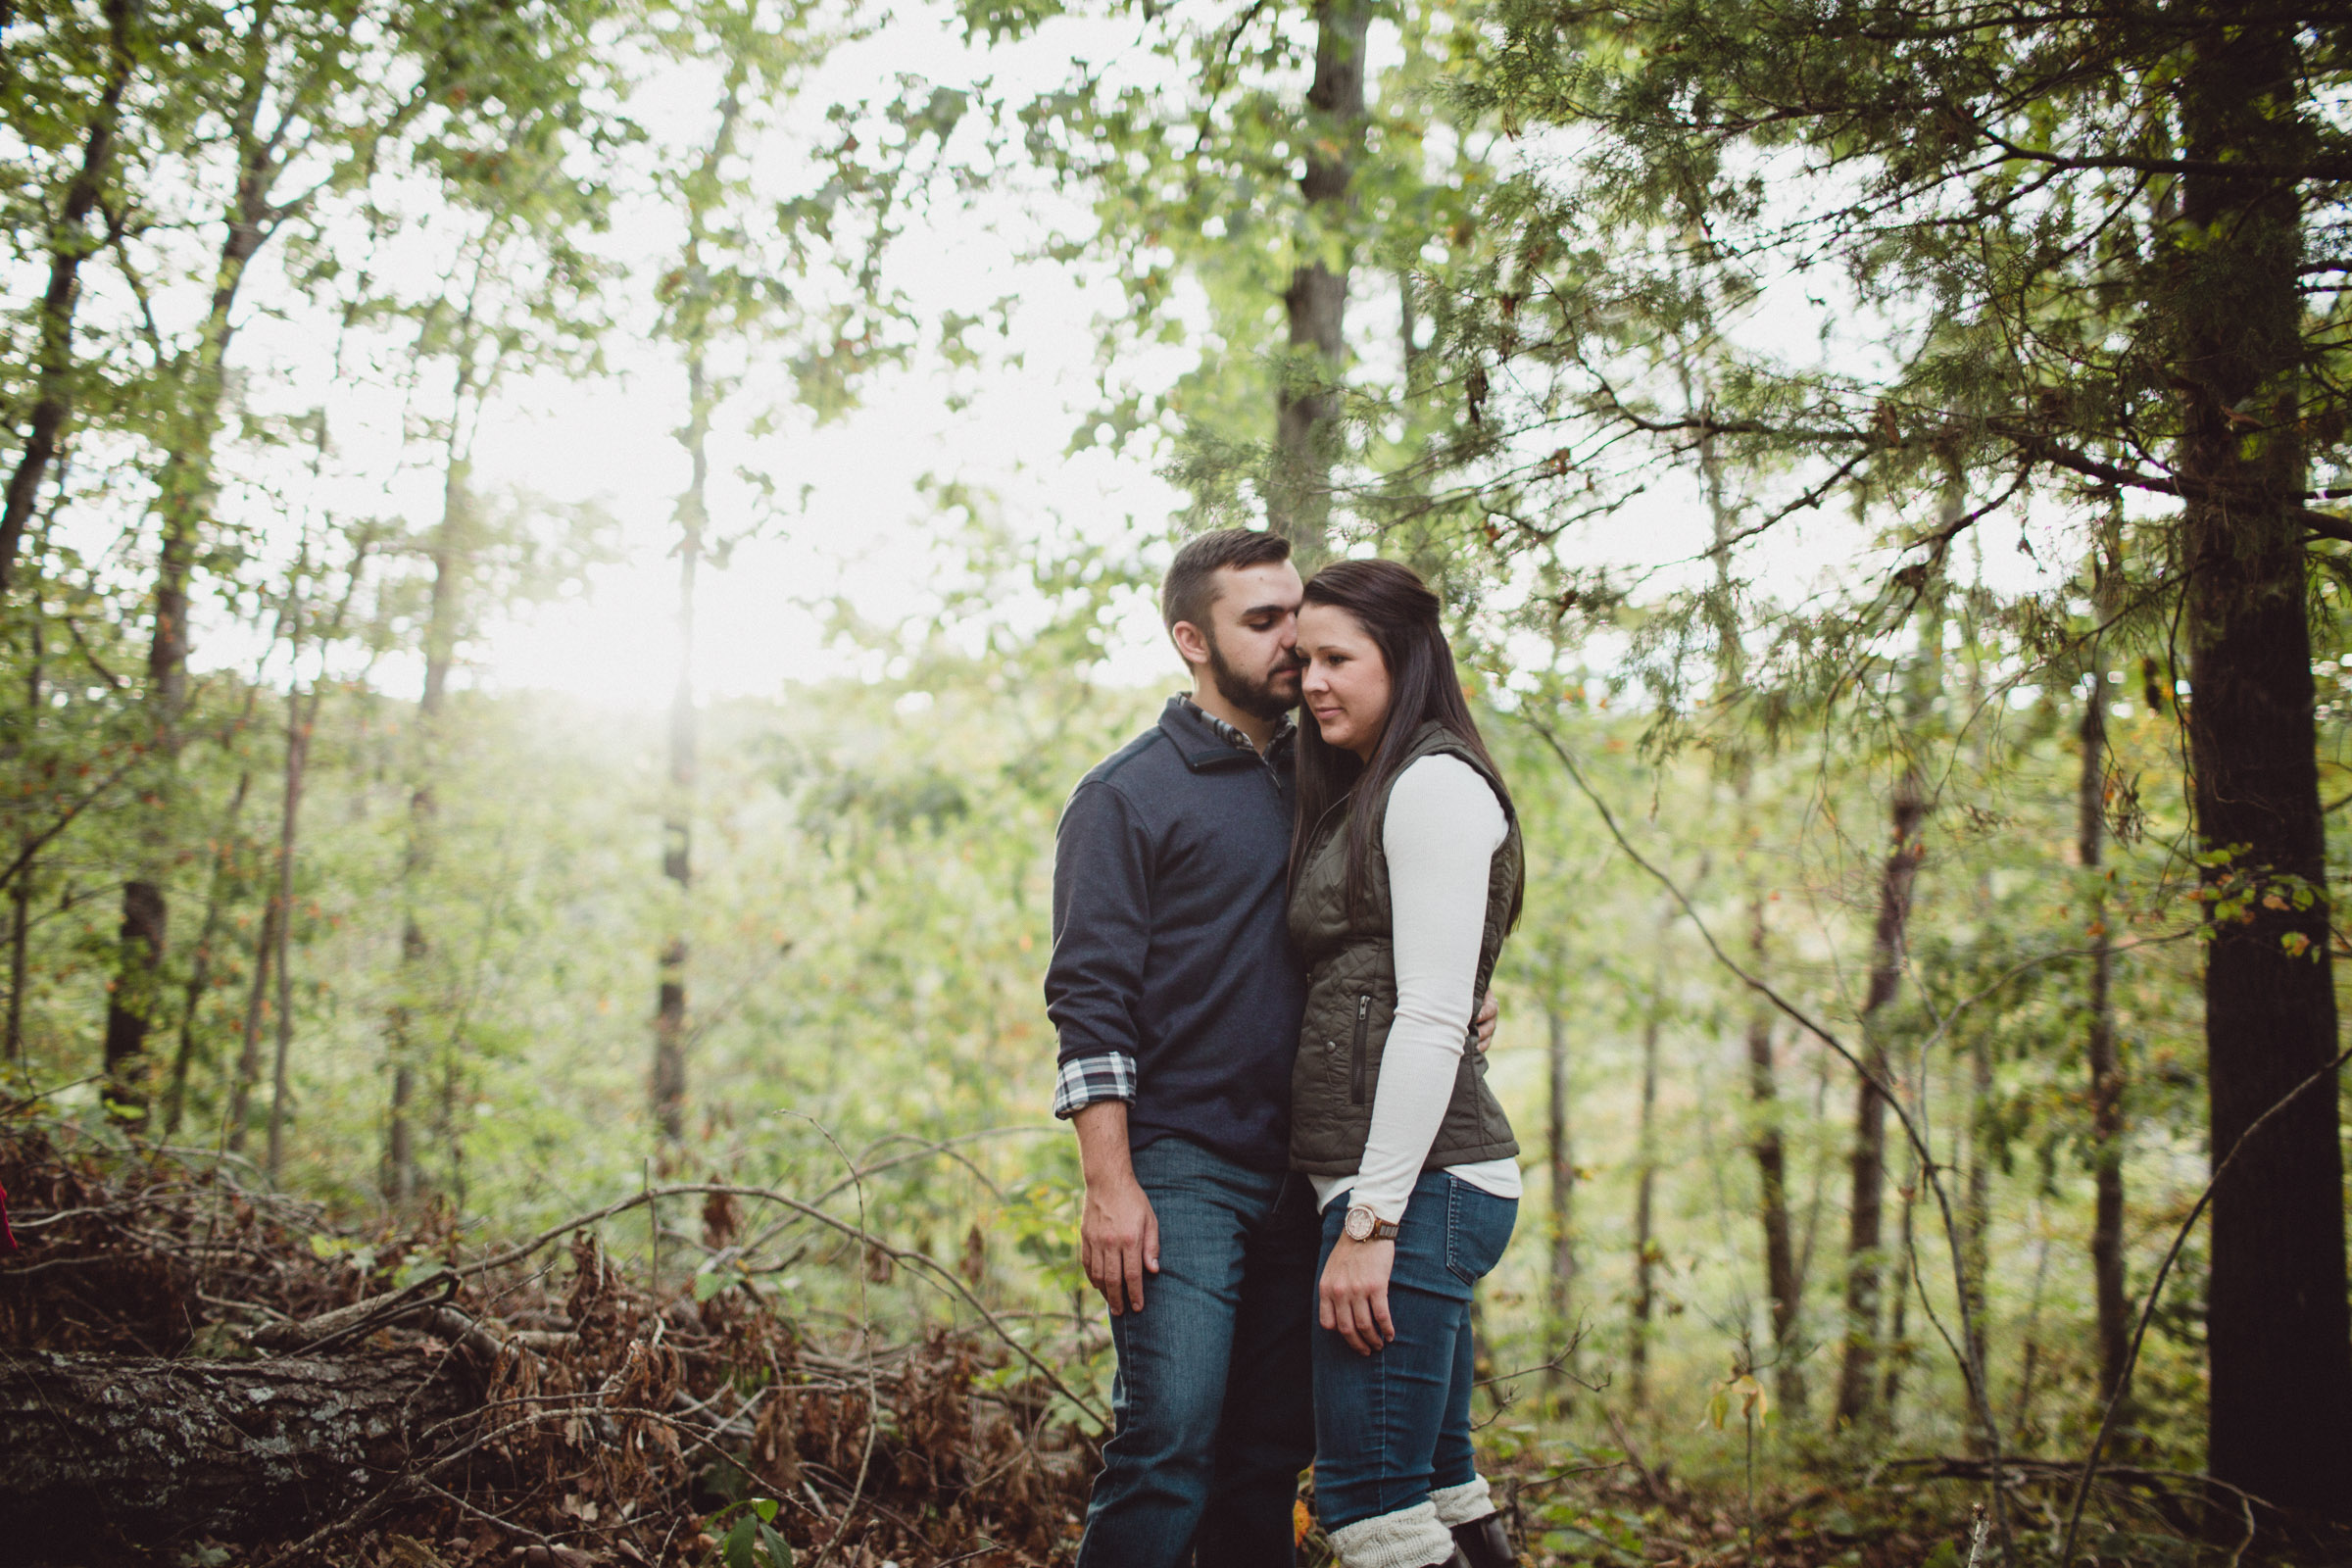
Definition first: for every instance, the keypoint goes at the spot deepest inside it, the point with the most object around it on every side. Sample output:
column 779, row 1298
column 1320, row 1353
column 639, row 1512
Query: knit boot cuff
column 1459, row 1506
column 1410, row 1538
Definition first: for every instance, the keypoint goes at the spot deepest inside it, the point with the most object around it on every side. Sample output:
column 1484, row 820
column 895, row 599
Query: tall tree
column 1643, row 1306
column 1559, row 1151
column 20, row 887
column 1784, row 1291
column 2101, row 1058
column 2229, row 281
column 693, row 322
column 1865, row 1241
column 218, row 886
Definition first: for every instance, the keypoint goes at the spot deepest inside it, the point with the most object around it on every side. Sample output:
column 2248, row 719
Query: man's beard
column 1256, row 698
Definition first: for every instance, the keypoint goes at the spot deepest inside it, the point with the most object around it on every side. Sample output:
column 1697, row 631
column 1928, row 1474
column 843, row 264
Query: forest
column 561, row 558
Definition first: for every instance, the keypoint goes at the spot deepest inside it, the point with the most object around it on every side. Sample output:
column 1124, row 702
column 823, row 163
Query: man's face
column 1252, row 638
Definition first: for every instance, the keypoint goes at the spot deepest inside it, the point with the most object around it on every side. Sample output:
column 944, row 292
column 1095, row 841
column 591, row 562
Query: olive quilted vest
column 1352, row 995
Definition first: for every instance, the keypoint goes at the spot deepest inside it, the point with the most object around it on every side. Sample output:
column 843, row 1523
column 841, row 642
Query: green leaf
column 737, row 1551
column 709, row 1283
column 415, row 1266
column 765, row 1508
column 779, row 1550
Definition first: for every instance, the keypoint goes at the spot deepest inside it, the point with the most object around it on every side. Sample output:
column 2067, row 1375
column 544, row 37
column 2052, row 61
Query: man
column 1177, row 1005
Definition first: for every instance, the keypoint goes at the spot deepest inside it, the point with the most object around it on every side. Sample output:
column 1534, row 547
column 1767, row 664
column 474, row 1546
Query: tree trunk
column 1898, row 1349
column 302, row 719
column 20, row 891
column 298, row 752
column 1868, row 1161
column 269, row 953
column 2029, row 1360
column 200, row 970
column 677, row 819
column 1408, row 326
column 1563, row 1162
column 185, row 496
column 1645, row 1158
column 154, row 1451
column 692, row 328
column 132, row 1004
column 1307, row 430
column 249, row 1051
column 401, row 1185
column 19, row 932
column 1782, row 1284
column 69, row 243
column 449, row 553
column 1976, row 1201
column 2105, row 1067
column 2279, row 1344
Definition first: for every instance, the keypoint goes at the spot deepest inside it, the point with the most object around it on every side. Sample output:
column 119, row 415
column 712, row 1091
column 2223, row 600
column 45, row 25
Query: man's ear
column 1191, row 645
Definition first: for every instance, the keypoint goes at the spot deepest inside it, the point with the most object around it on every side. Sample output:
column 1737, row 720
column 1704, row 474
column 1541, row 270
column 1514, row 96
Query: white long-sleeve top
column 1441, row 833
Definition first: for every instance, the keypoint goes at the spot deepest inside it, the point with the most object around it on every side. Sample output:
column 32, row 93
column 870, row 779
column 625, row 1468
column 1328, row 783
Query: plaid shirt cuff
column 1087, row 1079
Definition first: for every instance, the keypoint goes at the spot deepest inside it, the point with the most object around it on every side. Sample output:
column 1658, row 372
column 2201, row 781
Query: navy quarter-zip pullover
column 1171, row 946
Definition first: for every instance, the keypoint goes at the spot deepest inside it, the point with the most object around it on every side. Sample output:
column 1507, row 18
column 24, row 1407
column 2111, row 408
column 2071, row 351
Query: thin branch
column 34, row 845
column 924, row 1261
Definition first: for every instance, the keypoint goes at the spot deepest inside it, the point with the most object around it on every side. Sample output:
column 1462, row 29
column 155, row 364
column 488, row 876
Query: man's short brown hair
column 1191, row 585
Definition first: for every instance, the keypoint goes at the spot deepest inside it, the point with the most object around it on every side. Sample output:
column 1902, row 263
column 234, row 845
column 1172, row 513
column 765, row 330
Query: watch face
column 1359, row 1224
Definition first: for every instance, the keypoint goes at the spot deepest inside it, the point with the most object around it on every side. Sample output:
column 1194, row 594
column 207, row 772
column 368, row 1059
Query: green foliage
column 751, row 1541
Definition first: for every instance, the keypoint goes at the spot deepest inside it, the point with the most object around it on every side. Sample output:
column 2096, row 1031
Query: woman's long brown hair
column 1399, row 613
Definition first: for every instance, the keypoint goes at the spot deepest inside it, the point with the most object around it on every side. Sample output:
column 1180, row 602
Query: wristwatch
column 1366, row 1226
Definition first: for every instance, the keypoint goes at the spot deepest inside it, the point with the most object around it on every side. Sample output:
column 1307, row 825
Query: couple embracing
column 1269, row 937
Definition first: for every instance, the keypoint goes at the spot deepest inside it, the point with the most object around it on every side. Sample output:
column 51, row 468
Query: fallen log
column 482, row 1416
column 116, row 1449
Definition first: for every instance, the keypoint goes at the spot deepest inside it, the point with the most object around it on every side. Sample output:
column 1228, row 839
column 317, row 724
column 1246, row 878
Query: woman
column 1406, row 875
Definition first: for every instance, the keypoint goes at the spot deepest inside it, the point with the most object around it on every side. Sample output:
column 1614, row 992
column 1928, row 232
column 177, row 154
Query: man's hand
column 1119, row 1240
column 1118, row 1234
column 1353, row 1298
column 1483, row 1023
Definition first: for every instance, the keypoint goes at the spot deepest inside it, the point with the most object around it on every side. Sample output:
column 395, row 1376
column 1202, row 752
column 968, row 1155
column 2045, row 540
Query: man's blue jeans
column 1395, row 1426
column 1212, row 1408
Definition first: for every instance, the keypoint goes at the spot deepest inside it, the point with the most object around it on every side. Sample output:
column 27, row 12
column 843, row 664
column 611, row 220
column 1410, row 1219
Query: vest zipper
column 1357, row 1066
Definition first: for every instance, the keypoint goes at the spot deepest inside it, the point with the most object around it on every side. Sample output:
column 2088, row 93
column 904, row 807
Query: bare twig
column 940, row 1273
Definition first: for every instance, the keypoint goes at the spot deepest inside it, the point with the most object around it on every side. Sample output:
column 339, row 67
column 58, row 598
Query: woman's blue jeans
column 1393, row 1426
column 1212, row 1422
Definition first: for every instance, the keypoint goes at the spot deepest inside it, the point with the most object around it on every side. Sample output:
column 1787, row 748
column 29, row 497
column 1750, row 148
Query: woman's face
column 1345, row 683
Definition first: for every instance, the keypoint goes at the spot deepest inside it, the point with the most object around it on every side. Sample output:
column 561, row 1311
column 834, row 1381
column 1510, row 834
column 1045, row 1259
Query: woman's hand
column 1355, row 1294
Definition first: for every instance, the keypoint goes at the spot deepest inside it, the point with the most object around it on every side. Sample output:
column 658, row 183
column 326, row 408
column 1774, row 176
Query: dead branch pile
column 183, row 1364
